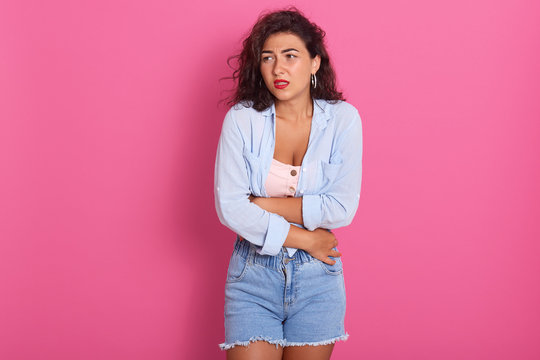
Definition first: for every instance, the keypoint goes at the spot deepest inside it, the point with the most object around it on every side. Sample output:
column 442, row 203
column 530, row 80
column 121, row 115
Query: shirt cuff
column 278, row 229
column 311, row 211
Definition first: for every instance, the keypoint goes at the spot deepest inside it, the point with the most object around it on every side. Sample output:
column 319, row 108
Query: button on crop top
column 329, row 183
column 282, row 179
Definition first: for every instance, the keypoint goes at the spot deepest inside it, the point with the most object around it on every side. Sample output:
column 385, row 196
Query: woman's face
column 286, row 66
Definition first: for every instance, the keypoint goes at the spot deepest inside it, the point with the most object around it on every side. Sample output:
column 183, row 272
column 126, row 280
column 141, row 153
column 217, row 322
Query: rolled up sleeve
column 336, row 207
column 266, row 230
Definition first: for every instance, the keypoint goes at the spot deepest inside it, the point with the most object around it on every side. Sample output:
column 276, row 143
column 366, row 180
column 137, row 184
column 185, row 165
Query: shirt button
column 293, row 172
column 301, row 191
column 291, row 189
column 304, row 169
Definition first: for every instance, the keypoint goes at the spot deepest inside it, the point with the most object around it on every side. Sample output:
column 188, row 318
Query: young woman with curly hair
column 288, row 170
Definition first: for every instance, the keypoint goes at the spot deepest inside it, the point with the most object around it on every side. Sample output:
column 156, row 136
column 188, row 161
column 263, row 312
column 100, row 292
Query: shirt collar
column 321, row 112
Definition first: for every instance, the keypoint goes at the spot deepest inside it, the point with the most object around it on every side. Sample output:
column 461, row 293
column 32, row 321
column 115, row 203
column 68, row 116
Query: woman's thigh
column 258, row 350
column 308, row 352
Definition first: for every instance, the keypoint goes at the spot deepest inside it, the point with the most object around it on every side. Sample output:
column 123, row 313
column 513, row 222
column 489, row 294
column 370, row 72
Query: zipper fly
column 288, row 290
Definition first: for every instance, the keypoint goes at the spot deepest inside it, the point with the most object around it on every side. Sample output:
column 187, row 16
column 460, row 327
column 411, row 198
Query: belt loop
column 251, row 254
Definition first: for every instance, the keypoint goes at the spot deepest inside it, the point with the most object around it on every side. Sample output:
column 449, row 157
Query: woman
column 288, row 169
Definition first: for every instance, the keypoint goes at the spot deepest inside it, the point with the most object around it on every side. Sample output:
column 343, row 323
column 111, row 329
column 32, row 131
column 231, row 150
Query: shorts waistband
column 248, row 251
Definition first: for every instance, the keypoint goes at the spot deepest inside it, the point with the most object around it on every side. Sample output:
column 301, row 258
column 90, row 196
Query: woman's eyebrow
column 282, row 51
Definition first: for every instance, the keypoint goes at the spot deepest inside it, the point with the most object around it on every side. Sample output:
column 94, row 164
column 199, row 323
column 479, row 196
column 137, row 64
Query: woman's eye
column 267, row 58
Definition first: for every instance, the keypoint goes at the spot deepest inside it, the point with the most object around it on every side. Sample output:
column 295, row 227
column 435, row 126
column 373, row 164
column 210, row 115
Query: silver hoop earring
column 314, row 81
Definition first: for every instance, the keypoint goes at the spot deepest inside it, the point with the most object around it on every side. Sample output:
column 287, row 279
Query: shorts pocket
column 237, row 268
column 336, row 269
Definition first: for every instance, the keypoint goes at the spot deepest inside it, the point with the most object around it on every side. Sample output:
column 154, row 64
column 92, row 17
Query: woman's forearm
column 320, row 242
column 290, row 207
column 298, row 238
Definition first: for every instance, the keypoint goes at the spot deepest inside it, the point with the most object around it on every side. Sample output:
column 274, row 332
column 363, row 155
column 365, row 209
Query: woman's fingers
column 335, row 253
column 329, row 261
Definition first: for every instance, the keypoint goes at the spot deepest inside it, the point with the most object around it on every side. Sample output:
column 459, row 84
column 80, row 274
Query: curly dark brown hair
column 247, row 75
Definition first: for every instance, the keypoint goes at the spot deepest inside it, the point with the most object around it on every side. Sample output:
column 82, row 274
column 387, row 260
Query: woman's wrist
column 298, row 238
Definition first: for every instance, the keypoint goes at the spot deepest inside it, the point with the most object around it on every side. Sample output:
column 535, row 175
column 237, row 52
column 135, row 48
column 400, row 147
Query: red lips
column 280, row 84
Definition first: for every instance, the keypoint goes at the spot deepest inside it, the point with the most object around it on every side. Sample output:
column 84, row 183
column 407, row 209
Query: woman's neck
column 294, row 110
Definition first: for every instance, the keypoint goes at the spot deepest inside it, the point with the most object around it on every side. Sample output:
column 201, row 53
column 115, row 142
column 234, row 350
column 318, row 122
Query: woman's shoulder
column 244, row 118
column 339, row 106
column 243, row 111
column 242, row 108
column 340, row 111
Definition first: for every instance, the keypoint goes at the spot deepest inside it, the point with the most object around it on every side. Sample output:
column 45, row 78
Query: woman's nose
column 278, row 68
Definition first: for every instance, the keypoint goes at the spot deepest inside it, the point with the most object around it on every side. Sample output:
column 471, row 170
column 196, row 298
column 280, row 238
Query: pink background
column 110, row 244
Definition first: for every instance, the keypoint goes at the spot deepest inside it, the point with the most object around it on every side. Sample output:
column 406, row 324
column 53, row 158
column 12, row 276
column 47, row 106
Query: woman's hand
column 321, row 245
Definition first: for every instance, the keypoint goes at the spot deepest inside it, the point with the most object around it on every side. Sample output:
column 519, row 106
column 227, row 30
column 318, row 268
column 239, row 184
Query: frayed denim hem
column 225, row 346
column 324, row 342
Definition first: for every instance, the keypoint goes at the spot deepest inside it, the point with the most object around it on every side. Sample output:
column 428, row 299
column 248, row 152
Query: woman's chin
column 282, row 96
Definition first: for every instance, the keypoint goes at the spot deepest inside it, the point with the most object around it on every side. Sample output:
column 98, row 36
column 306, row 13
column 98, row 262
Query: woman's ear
column 316, row 64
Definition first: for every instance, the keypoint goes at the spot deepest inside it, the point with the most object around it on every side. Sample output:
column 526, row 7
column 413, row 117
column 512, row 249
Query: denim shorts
column 287, row 301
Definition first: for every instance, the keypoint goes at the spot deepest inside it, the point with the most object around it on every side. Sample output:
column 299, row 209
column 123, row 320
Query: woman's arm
column 289, row 207
column 337, row 206
column 232, row 189
column 318, row 243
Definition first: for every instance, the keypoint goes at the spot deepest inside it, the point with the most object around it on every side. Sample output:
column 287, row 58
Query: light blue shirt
column 329, row 180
